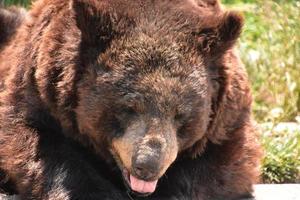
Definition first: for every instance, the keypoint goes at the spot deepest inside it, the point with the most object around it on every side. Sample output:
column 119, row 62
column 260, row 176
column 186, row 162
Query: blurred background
column 270, row 49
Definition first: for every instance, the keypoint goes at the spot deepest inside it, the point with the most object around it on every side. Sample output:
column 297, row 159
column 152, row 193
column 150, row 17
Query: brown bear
column 134, row 99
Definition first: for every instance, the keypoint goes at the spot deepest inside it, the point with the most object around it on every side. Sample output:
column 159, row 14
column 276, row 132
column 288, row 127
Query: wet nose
column 146, row 163
column 146, row 167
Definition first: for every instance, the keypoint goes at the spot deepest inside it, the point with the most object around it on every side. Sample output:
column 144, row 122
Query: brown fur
column 10, row 20
column 94, row 86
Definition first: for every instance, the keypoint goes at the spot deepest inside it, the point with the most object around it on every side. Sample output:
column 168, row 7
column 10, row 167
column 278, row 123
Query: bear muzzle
column 146, row 168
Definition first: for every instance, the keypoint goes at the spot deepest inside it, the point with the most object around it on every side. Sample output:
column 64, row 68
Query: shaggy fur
column 88, row 87
column 10, row 20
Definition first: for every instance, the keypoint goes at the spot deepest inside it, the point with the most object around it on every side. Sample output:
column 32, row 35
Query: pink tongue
column 141, row 186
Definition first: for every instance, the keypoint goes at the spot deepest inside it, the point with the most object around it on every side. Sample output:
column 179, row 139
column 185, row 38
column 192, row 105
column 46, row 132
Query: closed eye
column 128, row 111
column 182, row 132
column 125, row 113
column 179, row 117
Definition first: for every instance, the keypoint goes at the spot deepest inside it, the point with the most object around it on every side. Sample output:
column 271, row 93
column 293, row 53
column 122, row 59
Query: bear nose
column 146, row 162
column 146, row 166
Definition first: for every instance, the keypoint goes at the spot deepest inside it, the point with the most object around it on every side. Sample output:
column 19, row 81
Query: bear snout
column 146, row 162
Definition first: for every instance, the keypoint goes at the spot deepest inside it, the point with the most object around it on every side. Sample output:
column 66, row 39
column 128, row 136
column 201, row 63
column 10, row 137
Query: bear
column 125, row 99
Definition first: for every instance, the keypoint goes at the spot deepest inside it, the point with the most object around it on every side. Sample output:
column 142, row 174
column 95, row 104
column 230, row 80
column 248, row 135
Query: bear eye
column 118, row 129
column 181, row 121
column 125, row 113
column 179, row 117
column 128, row 111
column 181, row 132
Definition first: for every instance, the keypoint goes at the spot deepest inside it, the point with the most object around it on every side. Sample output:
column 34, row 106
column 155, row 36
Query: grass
column 270, row 49
column 281, row 163
column 15, row 2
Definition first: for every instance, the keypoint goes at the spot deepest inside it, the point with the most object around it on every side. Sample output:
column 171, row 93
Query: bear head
column 148, row 78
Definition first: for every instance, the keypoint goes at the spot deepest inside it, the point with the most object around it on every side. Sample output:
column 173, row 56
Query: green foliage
column 255, row 1
column 281, row 163
column 16, row 2
column 270, row 49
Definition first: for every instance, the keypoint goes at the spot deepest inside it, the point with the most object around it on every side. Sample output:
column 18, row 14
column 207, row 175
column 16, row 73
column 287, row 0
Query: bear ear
column 94, row 21
column 223, row 35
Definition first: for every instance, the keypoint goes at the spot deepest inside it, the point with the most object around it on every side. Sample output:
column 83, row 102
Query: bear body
column 125, row 100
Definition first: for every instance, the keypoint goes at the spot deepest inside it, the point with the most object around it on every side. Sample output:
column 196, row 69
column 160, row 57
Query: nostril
column 143, row 172
column 139, row 171
column 145, row 167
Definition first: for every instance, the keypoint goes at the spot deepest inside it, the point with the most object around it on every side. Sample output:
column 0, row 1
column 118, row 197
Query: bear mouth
column 135, row 185
column 138, row 186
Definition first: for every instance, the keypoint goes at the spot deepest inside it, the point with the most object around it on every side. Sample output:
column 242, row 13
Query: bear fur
column 10, row 20
column 96, row 92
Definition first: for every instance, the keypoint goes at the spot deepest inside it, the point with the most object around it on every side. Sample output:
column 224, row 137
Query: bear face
column 147, row 97
column 150, row 105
